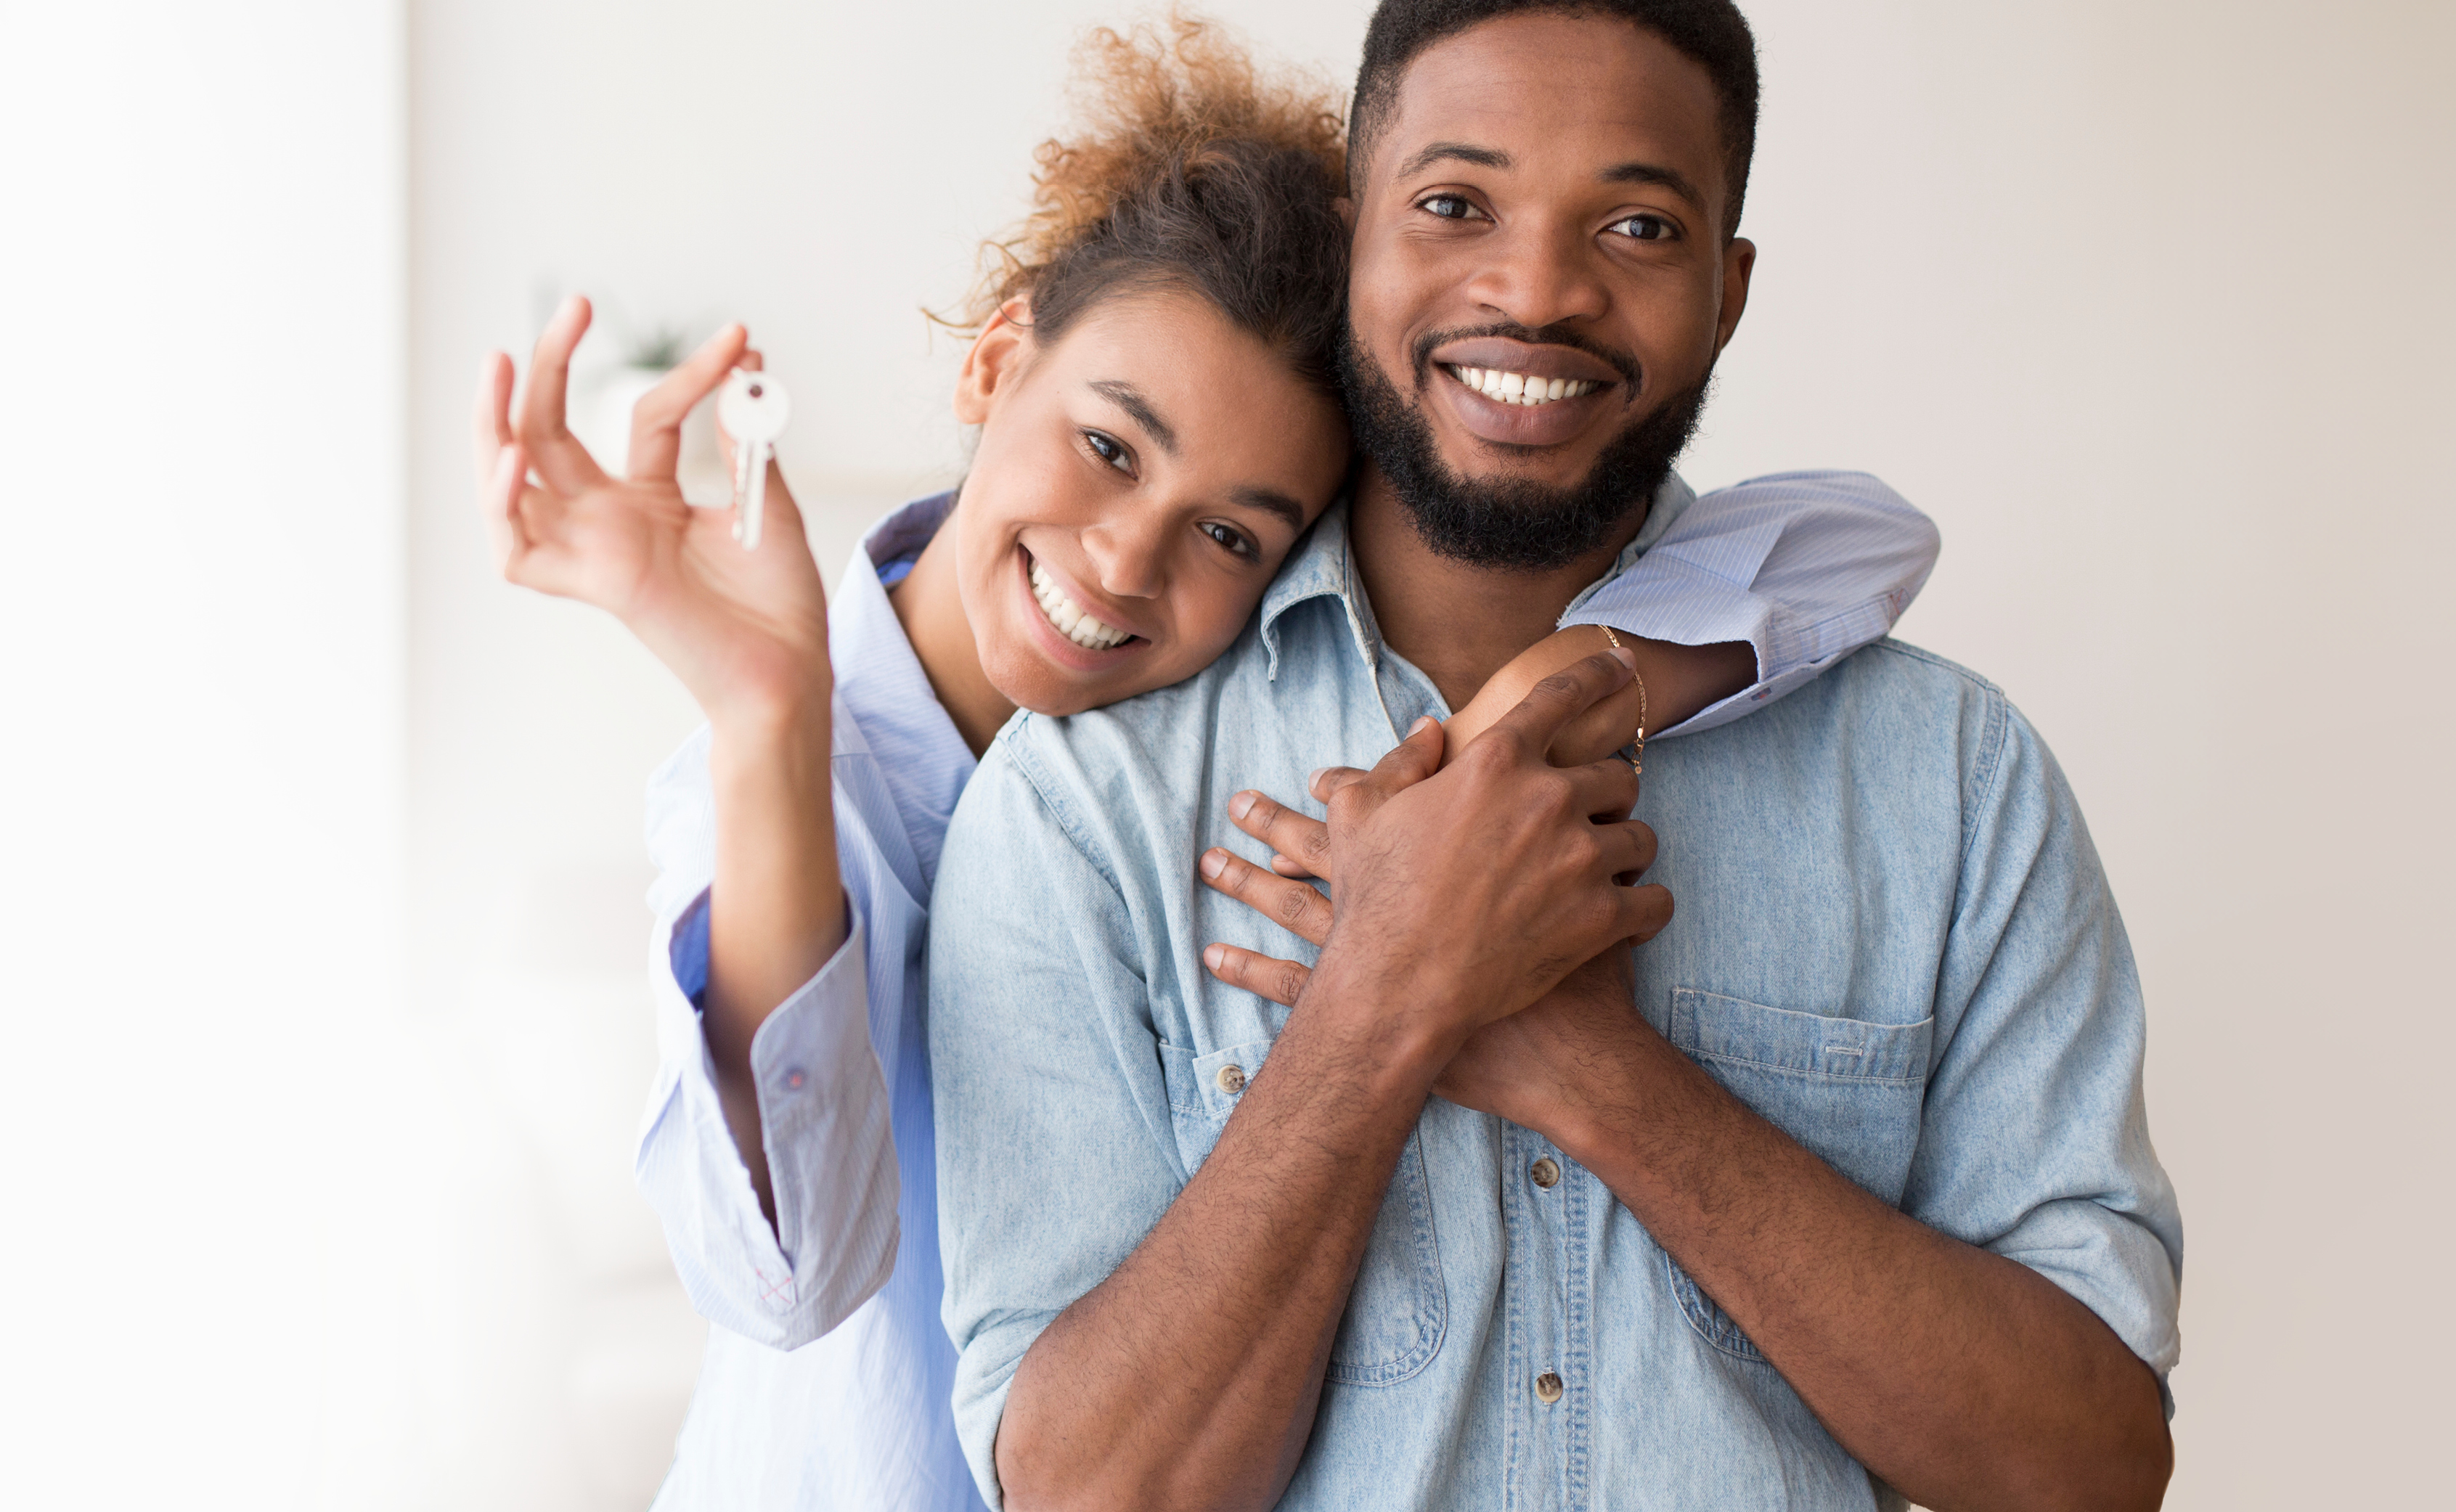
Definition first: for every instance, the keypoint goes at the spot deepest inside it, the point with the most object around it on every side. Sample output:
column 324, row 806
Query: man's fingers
column 1302, row 840
column 656, row 419
column 1262, row 975
column 1628, row 848
column 1560, row 698
column 1328, row 780
column 1295, row 905
column 1408, row 762
column 1604, row 790
column 1644, row 912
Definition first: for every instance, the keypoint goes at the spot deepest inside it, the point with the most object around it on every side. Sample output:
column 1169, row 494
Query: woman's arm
column 746, row 633
column 1755, row 590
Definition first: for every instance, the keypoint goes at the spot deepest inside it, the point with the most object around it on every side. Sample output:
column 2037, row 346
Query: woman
column 1157, row 425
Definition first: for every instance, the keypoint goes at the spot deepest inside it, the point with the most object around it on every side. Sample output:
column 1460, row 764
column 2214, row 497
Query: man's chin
column 1551, row 513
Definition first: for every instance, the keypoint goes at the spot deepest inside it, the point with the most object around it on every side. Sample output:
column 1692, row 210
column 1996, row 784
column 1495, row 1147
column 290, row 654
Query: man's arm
column 1189, row 1377
column 1956, row 1357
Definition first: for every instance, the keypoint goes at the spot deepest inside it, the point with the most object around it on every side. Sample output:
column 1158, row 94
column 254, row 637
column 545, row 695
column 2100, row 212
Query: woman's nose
column 1126, row 558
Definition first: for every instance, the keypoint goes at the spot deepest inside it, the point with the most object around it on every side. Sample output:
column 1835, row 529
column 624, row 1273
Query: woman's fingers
column 1262, row 975
column 499, row 499
column 657, row 419
column 1302, row 840
column 553, row 450
column 1299, row 907
column 491, row 423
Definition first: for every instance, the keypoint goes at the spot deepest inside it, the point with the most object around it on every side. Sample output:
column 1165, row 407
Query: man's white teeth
column 1068, row 617
column 1518, row 388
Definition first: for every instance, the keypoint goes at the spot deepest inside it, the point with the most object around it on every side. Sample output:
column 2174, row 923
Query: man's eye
column 1645, row 227
column 1109, row 450
column 1448, row 207
column 1234, row 540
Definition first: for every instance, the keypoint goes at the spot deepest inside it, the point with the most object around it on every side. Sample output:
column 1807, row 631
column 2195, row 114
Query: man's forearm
column 1960, row 1378
column 1189, row 1377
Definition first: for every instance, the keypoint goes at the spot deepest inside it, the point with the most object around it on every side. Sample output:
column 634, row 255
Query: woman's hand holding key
column 745, row 629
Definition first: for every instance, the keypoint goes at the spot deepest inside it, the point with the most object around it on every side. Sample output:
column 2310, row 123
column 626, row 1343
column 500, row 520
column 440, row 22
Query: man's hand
column 1523, row 1068
column 1538, row 857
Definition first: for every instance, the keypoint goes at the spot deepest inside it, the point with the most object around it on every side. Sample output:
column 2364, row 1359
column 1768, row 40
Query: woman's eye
column 1448, row 207
column 1109, row 450
column 1232, row 538
column 1645, row 227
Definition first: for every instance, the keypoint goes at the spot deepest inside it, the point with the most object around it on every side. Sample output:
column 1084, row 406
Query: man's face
column 1541, row 283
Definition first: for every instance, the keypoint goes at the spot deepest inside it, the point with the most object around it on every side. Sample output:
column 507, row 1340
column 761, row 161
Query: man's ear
column 1739, row 261
column 1346, row 208
column 995, row 362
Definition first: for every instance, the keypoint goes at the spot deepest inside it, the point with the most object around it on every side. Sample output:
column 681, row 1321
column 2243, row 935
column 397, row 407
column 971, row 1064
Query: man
column 1859, row 1201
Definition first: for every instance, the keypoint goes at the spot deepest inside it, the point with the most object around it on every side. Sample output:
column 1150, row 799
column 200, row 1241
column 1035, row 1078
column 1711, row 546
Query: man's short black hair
column 1711, row 32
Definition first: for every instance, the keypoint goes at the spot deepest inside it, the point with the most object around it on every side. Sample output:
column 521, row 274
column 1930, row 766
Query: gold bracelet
column 1634, row 752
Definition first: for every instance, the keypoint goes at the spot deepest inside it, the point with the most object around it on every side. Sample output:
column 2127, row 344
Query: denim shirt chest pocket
column 1850, row 1092
column 1399, row 1309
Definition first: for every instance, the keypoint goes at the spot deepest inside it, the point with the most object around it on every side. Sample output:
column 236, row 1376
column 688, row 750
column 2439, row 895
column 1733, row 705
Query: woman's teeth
column 1518, row 388
column 1069, row 619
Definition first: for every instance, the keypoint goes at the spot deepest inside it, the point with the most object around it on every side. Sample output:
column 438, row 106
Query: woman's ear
column 995, row 362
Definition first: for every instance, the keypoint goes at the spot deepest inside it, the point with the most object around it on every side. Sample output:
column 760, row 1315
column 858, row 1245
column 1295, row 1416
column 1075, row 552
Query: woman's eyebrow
column 1130, row 398
column 1271, row 501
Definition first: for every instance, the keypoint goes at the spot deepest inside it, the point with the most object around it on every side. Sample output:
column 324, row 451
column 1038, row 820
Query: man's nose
column 1538, row 272
column 1126, row 557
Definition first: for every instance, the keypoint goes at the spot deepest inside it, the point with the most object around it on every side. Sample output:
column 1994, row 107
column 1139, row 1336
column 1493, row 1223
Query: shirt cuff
column 826, row 1133
column 1680, row 605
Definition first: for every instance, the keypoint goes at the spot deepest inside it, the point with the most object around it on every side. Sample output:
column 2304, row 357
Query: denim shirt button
column 1548, row 1386
column 1544, row 1174
column 1232, row 1079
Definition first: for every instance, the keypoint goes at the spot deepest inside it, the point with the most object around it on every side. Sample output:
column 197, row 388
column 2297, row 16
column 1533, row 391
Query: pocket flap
column 1735, row 1030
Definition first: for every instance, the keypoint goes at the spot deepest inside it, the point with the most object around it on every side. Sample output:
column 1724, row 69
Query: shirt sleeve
column 1805, row 567
column 824, row 1108
column 2034, row 1136
column 1056, row 1151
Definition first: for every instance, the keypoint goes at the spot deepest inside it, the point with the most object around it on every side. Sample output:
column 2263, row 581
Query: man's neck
column 1458, row 621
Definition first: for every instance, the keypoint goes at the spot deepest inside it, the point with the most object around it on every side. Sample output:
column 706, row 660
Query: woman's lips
column 1058, row 644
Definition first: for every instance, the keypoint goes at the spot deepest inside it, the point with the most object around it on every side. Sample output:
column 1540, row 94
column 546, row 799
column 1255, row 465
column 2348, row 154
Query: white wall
column 201, row 1266
column 309, row 1206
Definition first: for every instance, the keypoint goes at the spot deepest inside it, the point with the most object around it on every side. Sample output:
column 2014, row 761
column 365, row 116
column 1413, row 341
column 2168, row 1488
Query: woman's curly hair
column 1188, row 172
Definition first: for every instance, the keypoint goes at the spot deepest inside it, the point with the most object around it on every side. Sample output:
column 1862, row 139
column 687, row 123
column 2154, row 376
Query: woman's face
column 1137, row 484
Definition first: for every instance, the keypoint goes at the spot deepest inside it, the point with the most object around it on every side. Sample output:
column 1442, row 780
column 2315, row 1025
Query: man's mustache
column 1622, row 362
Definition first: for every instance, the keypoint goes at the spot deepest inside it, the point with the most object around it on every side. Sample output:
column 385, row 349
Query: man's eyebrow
column 1130, row 398
column 1670, row 178
column 1456, row 151
column 1271, row 501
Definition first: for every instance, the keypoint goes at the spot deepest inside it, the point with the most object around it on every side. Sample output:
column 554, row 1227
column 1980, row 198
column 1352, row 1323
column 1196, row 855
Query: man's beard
column 1511, row 524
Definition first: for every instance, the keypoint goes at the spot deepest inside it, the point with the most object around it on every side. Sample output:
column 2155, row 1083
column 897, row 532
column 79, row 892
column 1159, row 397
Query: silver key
column 753, row 410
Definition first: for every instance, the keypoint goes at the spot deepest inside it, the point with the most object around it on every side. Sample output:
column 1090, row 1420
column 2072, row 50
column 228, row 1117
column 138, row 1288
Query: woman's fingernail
column 1214, row 957
column 1242, row 805
column 1214, row 862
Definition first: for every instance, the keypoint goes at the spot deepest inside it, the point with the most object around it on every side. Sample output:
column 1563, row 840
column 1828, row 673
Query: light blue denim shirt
column 1894, row 940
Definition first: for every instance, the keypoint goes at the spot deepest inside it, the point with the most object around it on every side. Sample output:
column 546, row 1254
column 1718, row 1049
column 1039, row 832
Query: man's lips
column 1500, row 355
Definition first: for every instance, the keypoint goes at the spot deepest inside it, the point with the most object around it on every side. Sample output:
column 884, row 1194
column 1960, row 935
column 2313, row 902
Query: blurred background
column 322, row 923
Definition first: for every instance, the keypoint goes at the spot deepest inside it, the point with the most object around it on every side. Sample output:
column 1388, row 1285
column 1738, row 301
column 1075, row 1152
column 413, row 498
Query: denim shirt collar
column 1323, row 566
